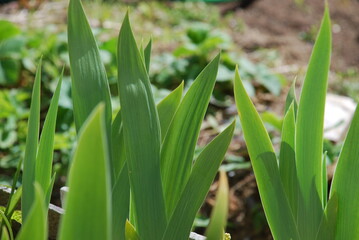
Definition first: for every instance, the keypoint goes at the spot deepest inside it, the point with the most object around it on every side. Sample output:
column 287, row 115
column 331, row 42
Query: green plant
column 132, row 176
column 294, row 191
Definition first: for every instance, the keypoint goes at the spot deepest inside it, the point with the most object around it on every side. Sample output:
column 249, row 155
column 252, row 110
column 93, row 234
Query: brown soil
column 280, row 24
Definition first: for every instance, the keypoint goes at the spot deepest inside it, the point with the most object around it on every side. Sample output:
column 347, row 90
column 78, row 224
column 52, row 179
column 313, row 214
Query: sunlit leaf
column 167, row 109
column 89, row 80
column 217, row 225
column 35, row 226
column 309, row 133
column 196, row 189
column 142, row 136
column 180, row 141
column 131, row 233
column 345, row 184
column 287, row 166
column 28, row 176
column 43, row 169
column 264, row 163
column 327, row 227
column 88, row 202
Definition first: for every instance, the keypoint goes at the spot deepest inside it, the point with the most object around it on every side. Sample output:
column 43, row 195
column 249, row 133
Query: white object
column 339, row 111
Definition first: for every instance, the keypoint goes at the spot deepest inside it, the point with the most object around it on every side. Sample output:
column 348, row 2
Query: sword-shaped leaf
column 89, row 80
column 147, row 55
column 167, row 109
column 180, row 141
column 327, row 227
column 309, row 133
column 196, row 189
column 35, row 226
column 264, row 162
column 345, row 184
column 120, row 204
column 287, row 167
column 88, row 202
column 28, row 176
column 217, row 225
column 43, row 169
column 142, row 136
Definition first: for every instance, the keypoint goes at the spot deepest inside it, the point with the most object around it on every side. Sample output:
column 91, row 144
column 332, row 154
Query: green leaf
column 147, row 55
column 327, row 227
column 88, row 202
column 14, row 201
column 35, row 226
column 167, row 109
column 264, row 163
column 325, row 179
column 43, row 168
column 7, row 229
column 28, row 176
column 8, row 30
column 118, row 157
column 287, row 166
column 291, row 98
column 5, row 234
column 15, row 196
column 197, row 186
column 309, row 133
column 180, row 141
column 131, row 233
column 345, row 184
column 49, row 190
column 142, row 136
column 217, row 225
column 120, row 204
column 89, row 80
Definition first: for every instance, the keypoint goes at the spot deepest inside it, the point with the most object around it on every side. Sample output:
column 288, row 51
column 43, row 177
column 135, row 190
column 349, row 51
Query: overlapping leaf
column 36, row 225
column 345, row 184
column 89, row 80
column 216, row 227
column 31, row 147
column 179, row 144
column 142, row 137
column 194, row 193
column 264, row 162
column 88, row 203
column 309, row 133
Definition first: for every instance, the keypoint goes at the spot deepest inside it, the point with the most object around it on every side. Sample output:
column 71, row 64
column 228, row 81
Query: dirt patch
column 291, row 29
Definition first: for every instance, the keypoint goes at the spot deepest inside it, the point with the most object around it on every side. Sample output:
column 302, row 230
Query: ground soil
column 280, row 24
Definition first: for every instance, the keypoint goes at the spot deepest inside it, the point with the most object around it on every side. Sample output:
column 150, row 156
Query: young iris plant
column 294, row 190
column 132, row 177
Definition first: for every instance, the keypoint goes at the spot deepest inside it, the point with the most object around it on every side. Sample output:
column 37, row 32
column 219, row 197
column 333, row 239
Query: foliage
column 294, row 193
column 129, row 165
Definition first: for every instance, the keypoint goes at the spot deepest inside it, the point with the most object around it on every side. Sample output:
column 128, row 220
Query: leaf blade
column 344, row 183
column 31, row 147
column 89, row 183
column 194, row 193
column 44, row 158
column 264, row 163
column 309, row 134
column 179, row 144
column 36, row 225
column 217, row 225
column 141, row 131
column 87, row 70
